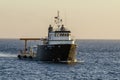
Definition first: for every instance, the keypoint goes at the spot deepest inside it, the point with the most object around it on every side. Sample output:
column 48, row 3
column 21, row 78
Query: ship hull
column 61, row 52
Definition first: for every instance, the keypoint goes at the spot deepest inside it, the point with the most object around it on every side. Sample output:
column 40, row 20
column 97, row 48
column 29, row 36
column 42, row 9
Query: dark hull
column 61, row 52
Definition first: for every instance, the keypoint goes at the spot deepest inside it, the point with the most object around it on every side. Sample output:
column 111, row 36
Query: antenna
column 57, row 13
column 65, row 17
column 58, row 21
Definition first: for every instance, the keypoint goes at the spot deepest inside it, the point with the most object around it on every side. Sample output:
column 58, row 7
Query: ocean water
column 97, row 60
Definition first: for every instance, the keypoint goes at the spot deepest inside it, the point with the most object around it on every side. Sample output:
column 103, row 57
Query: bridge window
column 67, row 34
column 60, row 34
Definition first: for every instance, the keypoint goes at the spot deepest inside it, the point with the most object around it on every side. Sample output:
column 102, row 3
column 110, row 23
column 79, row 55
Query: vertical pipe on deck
column 25, row 46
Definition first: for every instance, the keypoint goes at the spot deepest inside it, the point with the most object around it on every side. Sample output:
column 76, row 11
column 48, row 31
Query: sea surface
column 97, row 60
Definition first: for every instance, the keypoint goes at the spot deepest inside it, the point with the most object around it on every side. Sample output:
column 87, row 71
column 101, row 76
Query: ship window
column 60, row 34
column 63, row 34
column 67, row 34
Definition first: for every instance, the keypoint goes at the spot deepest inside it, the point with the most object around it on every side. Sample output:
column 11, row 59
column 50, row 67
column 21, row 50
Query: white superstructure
column 58, row 34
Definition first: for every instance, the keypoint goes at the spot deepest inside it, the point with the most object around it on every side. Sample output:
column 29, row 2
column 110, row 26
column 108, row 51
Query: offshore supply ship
column 58, row 46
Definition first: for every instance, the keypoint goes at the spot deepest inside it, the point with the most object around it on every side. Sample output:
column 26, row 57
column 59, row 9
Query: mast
column 58, row 14
column 58, row 21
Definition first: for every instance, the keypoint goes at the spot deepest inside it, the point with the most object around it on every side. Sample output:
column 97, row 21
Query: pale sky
column 87, row 19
